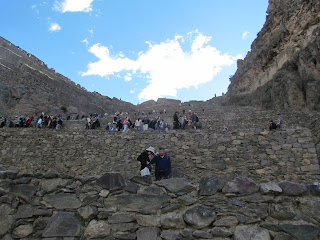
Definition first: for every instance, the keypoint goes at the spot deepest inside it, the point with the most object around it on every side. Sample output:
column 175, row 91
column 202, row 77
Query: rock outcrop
column 283, row 68
column 28, row 86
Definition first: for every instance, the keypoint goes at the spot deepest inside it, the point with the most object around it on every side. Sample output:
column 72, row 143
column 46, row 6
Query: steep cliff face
column 283, row 68
column 28, row 86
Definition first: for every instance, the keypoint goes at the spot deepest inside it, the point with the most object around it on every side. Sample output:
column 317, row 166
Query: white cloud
column 54, row 27
column 245, row 35
column 85, row 41
column 132, row 91
column 91, row 31
column 73, row 5
column 166, row 66
column 107, row 65
column 35, row 9
column 128, row 77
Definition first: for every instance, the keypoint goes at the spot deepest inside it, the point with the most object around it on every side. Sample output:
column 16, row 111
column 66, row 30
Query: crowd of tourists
column 43, row 121
column 145, row 122
column 92, row 122
column 15, row 122
column 182, row 121
column 151, row 112
column 124, row 124
column 47, row 121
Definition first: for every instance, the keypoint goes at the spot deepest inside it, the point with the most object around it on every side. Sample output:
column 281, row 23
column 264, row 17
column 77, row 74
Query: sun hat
column 151, row 149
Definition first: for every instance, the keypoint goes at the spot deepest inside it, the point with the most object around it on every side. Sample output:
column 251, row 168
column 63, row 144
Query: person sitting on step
column 280, row 121
column 272, row 125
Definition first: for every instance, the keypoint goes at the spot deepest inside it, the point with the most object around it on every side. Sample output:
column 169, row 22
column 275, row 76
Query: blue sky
column 138, row 50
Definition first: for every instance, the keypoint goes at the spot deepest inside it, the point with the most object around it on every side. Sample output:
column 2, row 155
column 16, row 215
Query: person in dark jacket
column 194, row 119
column 163, row 164
column 144, row 158
column 176, row 121
column 272, row 125
column 152, row 124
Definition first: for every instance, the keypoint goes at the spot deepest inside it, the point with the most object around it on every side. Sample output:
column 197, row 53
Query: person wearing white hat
column 145, row 157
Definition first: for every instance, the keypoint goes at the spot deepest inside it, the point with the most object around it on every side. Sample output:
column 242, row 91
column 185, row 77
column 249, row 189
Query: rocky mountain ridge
column 28, row 86
column 283, row 68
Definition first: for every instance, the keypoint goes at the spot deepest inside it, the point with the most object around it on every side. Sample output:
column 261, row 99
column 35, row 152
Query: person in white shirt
column 138, row 124
column 88, row 122
column 39, row 123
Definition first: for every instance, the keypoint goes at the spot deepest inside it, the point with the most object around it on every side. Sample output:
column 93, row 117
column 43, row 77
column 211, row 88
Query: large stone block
column 176, row 185
column 148, row 220
column 125, row 236
column 49, row 185
column 63, row 201
column 63, row 224
column 22, row 231
column 97, row 229
column 220, row 232
column 282, row 212
column 172, row 221
column 301, row 231
column 143, row 180
column 88, row 212
column 170, row 235
column 200, row 216
column 6, row 220
column 111, row 181
column 292, row 188
column 270, row 188
column 198, row 234
column 241, row 185
column 251, row 232
column 24, row 211
column 139, row 202
column 314, row 189
column 121, row 217
column 209, row 186
column 148, row 233
column 24, row 191
column 310, row 208
column 228, row 221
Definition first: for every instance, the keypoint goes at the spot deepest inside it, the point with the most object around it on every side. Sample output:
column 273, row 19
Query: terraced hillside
column 28, row 86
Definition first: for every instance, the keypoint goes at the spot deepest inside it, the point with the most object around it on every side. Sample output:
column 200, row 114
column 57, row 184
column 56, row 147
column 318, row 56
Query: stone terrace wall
column 289, row 154
column 51, row 206
column 25, row 79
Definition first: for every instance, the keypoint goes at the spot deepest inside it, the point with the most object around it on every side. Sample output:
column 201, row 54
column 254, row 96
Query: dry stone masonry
column 61, row 206
column 288, row 154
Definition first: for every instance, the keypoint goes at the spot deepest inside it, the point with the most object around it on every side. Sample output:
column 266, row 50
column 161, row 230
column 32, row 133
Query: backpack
column 197, row 119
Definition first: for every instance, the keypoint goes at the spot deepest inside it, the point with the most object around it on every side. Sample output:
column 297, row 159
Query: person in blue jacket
column 163, row 164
